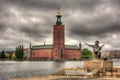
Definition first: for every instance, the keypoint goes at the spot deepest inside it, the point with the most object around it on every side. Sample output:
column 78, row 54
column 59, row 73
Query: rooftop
column 51, row 46
column 42, row 47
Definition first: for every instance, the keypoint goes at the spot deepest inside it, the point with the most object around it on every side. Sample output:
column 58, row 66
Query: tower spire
column 59, row 14
column 58, row 22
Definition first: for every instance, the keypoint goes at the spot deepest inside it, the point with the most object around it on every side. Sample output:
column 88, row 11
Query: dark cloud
column 35, row 31
column 2, row 27
column 32, row 4
column 99, row 30
column 22, row 21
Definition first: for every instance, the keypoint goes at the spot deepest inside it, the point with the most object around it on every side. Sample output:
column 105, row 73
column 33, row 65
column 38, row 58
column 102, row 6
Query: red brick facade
column 49, row 54
column 58, row 40
column 40, row 54
column 58, row 50
column 72, row 54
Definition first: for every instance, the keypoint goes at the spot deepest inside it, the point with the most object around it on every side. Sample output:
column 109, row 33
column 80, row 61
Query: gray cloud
column 22, row 21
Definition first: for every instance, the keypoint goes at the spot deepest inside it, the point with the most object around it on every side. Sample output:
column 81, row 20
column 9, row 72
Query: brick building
column 57, row 51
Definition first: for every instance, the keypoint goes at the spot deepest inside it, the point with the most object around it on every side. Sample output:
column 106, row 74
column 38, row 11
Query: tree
column 86, row 54
column 3, row 54
column 10, row 56
column 0, row 54
column 16, row 52
column 19, row 52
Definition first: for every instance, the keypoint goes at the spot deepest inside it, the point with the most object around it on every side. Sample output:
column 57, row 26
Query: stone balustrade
column 105, row 69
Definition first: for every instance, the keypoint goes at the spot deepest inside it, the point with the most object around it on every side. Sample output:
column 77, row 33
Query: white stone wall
column 27, row 53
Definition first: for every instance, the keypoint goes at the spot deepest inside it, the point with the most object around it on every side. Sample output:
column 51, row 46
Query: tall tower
column 58, row 37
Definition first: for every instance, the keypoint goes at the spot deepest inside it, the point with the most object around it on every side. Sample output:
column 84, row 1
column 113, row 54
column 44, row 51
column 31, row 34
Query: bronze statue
column 96, row 49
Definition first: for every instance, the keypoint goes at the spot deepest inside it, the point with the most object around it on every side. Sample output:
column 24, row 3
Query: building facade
column 112, row 54
column 57, row 51
column 115, row 54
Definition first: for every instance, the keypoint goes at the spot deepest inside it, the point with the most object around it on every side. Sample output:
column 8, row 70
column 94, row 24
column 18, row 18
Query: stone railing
column 101, row 72
column 103, row 69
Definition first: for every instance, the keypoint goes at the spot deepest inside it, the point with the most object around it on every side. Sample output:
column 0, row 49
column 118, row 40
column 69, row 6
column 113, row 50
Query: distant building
column 8, row 53
column 13, row 55
column 57, row 51
column 113, row 54
column 26, row 53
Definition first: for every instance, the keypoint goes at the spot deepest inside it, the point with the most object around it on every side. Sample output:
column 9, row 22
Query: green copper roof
column 59, row 22
column 71, row 47
column 42, row 47
column 51, row 46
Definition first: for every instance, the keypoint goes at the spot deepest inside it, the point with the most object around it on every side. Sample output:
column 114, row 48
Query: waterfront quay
column 99, row 70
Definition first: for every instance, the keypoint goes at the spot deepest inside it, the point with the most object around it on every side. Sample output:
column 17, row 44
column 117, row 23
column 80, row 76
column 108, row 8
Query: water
column 13, row 69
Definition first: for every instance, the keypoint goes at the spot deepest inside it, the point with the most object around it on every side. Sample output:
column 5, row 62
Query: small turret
column 80, row 46
column 30, row 46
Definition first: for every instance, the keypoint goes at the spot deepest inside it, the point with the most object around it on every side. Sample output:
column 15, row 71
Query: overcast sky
column 25, row 21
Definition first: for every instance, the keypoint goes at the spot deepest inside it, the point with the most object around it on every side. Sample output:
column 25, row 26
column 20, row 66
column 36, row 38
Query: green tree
column 3, row 54
column 86, row 54
column 0, row 54
column 14, row 58
column 19, row 52
column 16, row 52
column 22, row 50
column 10, row 56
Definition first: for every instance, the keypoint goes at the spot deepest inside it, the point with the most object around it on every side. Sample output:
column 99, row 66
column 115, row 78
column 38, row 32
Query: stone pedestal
column 98, row 64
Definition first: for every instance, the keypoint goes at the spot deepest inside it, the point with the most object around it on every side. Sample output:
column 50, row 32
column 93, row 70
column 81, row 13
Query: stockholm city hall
column 57, row 51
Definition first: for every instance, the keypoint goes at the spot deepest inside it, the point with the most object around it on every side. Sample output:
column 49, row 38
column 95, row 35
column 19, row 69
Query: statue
column 96, row 49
